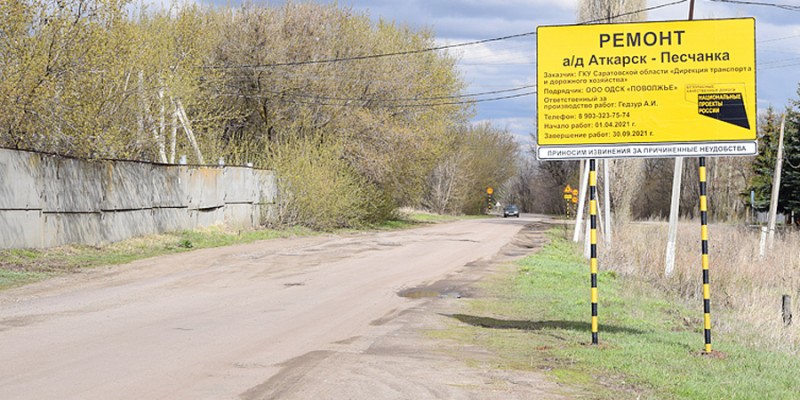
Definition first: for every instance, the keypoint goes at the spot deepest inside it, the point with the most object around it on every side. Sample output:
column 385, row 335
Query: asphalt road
column 247, row 321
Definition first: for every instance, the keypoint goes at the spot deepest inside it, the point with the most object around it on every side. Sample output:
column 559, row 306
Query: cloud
column 510, row 63
column 521, row 128
column 159, row 5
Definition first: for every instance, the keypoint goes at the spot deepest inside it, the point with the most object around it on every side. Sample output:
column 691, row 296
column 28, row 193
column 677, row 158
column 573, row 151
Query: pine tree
column 763, row 166
column 789, row 199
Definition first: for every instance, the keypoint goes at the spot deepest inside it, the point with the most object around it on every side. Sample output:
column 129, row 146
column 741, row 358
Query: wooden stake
column 786, row 309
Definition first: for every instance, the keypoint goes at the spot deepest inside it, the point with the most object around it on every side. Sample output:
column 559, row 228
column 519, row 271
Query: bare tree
column 521, row 190
column 625, row 176
column 611, row 11
column 447, row 184
column 549, row 180
column 481, row 156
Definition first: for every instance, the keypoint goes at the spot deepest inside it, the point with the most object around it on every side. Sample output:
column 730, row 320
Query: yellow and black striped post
column 704, row 245
column 593, row 243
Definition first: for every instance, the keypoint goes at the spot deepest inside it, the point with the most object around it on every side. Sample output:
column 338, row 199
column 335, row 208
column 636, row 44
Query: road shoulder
column 407, row 355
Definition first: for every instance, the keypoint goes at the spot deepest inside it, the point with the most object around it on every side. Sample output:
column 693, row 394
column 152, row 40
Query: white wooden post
column 674, row 210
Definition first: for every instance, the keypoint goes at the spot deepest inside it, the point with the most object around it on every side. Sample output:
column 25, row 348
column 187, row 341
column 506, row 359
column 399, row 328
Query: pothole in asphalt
column 424, row 293
column 418, row 293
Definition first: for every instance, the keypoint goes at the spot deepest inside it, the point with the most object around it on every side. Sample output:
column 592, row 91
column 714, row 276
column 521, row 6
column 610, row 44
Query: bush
column 319, row 189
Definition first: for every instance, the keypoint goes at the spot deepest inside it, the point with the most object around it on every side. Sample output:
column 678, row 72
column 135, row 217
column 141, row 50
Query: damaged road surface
column 301, row 318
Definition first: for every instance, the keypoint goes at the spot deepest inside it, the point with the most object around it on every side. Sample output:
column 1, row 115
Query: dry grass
column 745, row 289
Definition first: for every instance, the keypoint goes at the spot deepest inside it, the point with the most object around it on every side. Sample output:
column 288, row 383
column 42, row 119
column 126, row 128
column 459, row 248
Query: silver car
column 510, row 211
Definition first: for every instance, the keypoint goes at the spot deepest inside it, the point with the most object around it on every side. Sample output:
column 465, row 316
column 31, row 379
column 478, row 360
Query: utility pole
column 675, row 201
column 187, row 128
column 776, row 183
column 674, row 213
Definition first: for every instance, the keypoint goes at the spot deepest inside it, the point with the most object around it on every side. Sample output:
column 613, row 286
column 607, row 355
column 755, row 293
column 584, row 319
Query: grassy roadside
column 536, row 317
column 22, row 266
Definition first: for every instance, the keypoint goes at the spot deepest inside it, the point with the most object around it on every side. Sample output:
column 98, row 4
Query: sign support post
column 631, row 90
column 704, row 247
column 593, row 244
column 646, row 90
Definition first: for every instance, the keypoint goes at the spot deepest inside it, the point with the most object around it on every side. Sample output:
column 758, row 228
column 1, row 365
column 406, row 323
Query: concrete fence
column 48, row 201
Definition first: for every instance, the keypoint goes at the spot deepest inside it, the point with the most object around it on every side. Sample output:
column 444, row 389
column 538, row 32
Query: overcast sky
column 510, row 64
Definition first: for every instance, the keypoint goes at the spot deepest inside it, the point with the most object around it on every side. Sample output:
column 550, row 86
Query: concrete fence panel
column 48, row 201
column 21, row 229
column 240, row 185
column 20, row 180
column 169, row 185
column 240, row 215
column 127, row 186
column 205, row 188
column 172, row 219
column 72, row 228
column 120, row 225
column 71, row 185
column 205, row 217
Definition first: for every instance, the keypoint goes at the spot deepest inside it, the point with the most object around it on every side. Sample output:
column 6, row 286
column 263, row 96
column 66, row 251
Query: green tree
column 789, row 198
column 317, row 92
column 87, row 79
column 61, row 89
column 763, row 165
column 479, row 156
column 384, row 113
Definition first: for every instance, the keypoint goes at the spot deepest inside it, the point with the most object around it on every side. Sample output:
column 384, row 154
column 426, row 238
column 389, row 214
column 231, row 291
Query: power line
column 782, row 66
column 498, row 64
column 604, row 19
column 472, row 101
column 757, row 3
column 780, row 38
column 779, row 61
column 346, row 102
column 779, row 64
column 373, row 56
column 409, row 99
column 429, row 49
column 499, row 52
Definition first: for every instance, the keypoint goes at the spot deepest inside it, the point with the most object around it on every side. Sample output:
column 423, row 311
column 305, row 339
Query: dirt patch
column 402, row 361
column 317, row 317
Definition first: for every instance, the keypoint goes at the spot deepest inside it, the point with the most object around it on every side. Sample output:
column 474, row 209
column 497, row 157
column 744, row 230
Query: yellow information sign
column 652, row 89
